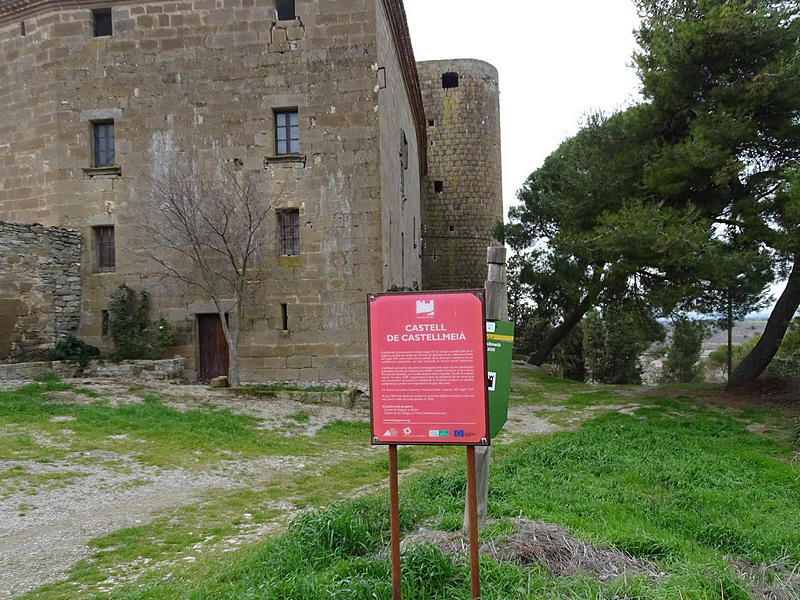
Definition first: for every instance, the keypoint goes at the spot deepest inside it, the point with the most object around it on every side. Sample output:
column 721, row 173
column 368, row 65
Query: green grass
column 530, row 387
column 301, row 416
column 150, row 431
column 17, row 479
column 596, row 398
column 553, row 385
column 675, row 483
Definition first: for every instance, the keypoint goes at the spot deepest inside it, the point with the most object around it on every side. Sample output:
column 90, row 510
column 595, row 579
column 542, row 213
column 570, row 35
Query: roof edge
column 399, row 25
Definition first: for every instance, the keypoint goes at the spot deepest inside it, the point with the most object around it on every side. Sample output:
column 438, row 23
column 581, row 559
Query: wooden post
column 472, row 509
column 496, row 310
column 394, row 520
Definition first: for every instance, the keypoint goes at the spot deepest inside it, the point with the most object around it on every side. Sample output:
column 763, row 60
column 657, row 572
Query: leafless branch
column 207, row 225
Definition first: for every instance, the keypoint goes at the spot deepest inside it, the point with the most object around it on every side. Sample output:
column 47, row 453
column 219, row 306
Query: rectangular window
column 104, row 243
column 285, row 9
column 287, row 132
column 104, row 323
column 289, row 232
column 103, row 147
column 101, row 21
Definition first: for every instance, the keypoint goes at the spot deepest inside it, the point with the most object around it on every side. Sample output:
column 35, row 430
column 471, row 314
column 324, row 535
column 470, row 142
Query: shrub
column 133, row 334
column 785, row 367
column 615, row 339
column 790, row 345
column 717, row 361
column 74, row 350
column 683, row 354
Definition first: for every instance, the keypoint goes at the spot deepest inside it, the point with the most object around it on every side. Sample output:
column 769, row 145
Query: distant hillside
column 742, row 331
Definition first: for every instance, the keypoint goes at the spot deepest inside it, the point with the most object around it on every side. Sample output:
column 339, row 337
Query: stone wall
column 463, row 190
column 151, row 370
column 40, row 289
column 400, row 167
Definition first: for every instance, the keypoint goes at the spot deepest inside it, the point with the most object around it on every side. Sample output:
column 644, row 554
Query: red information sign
column 428, row 368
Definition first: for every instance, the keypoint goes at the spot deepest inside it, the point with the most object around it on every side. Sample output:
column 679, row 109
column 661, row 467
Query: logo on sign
column 390, row 433
column 407, row 431
column 458, row 433
column 438, row 433
column 424, row 309
column 492, row 380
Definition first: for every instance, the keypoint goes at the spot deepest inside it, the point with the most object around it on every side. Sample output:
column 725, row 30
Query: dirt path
column 43, row 535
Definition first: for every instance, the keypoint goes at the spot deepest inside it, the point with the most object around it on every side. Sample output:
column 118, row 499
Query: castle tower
column 462, row 194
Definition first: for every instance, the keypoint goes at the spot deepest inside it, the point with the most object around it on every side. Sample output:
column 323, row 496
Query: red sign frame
column 427, row 364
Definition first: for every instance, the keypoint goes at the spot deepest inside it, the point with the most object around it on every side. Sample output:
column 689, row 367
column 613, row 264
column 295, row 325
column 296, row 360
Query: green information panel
column 499, row 347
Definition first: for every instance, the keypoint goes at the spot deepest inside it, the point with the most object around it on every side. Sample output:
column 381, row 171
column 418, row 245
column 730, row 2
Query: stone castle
column 391, row 168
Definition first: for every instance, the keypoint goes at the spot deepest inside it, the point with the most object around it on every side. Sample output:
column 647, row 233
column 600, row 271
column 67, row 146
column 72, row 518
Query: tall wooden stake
column 394, row 518
column 496, row 310
column 472, row 504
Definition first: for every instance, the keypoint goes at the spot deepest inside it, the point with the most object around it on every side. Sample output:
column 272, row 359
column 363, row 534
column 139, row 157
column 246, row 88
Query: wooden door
column 213, row 348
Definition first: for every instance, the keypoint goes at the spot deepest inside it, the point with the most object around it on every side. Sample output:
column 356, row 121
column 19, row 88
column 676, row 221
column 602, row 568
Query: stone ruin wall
column 40, row 289
column 463, row 128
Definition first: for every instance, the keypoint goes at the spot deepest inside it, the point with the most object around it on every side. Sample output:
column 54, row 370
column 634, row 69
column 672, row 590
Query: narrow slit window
column 438, row 187
column 101, row 20
column 450, row 80
column 22, row 27
column 285, row 9
column 105, row 249
column 103, row 147
column 287, row 132
column 289, row 232
column 104, row 323
column 285, row 317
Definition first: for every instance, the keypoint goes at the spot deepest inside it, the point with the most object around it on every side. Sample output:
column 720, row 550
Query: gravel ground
column 44, row 534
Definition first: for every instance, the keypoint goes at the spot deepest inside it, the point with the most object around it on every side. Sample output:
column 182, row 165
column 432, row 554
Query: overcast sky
column 557, row 61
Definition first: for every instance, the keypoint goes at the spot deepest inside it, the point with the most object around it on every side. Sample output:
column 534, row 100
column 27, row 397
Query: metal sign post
column 472, row 503
column 394, row 520
column 428, row 385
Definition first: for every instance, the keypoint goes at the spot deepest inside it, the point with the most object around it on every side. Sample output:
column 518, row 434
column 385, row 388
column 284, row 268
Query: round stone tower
column 462, row 197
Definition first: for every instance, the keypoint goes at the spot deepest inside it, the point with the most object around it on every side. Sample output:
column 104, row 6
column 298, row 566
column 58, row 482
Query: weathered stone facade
column 40, row 289
column 208, row 76
column 463, row 189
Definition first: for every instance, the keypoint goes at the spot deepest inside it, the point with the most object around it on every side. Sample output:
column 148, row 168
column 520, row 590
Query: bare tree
column 209, row 228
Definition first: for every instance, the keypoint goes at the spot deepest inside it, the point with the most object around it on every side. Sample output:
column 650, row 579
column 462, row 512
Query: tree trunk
column 233, row 366
column 729, row 369
column 557, row 335
column 759, row 358
column 233, row 345
column 231, row 329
